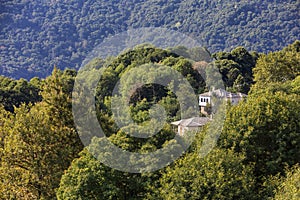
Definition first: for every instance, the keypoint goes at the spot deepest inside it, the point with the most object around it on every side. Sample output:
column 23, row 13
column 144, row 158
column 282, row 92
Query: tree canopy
column 256, row 155
column 35, row 35
column 38, row 142
column 290, row 186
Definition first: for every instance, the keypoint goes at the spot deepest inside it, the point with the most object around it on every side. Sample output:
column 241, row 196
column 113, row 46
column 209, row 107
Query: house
column 205, row 102
column 205, row 99
column 191, row 124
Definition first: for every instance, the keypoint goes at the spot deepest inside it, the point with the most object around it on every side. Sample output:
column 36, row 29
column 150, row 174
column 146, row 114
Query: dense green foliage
column 13, row 93
column 236, row 68
column 212, row 177
column 36, row 35
column 38, row 143
column 256, row 156
column 279, row 66
column 87, row 178
column 266, row 127
column 146, row 96
column 290, row 186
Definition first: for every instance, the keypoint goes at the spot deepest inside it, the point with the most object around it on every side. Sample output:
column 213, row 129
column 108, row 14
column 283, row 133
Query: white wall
column 203, row 101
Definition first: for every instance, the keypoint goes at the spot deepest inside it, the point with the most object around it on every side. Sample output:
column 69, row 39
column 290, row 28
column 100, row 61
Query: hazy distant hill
column 36, row 35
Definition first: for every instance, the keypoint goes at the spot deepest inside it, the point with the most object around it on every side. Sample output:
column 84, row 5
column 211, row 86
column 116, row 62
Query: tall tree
column 278, row 66
column 236, row 68
column 39, row 143
column 265, row 128
column 219, row 175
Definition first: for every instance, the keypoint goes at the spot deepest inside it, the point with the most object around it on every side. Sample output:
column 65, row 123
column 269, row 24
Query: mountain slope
column 36, row 35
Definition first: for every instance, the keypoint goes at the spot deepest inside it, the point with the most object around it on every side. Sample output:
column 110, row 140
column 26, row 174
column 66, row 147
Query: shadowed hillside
column 36, row 35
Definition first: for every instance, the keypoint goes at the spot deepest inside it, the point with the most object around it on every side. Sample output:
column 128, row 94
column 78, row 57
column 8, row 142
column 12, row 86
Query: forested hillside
column 36, row 35
column 255, row 157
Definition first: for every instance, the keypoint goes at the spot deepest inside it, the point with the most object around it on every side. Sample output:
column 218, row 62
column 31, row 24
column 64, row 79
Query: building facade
column 191, row 124
column 205, row 99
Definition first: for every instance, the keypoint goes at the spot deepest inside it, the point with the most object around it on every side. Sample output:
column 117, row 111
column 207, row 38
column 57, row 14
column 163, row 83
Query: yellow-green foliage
column 290, row 187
